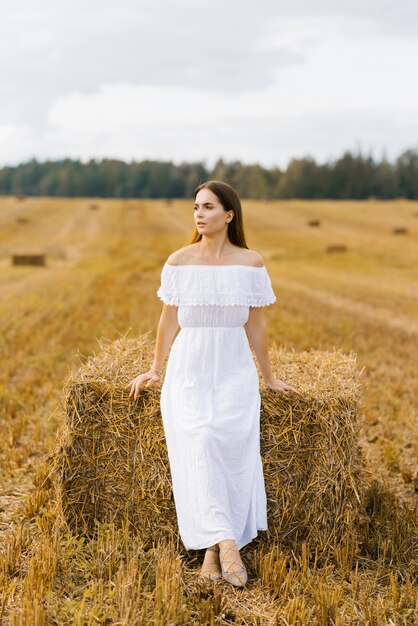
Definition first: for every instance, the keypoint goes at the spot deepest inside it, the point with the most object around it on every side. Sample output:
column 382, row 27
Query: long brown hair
column 230, row 200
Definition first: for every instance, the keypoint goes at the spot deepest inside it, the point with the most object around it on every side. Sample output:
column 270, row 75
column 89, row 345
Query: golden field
column 102, row 271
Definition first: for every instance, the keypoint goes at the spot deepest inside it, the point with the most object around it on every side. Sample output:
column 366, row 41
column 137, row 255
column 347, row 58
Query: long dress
column 210, row 403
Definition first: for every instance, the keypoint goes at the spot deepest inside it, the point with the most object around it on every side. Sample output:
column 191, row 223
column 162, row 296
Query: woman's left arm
column 256, row 329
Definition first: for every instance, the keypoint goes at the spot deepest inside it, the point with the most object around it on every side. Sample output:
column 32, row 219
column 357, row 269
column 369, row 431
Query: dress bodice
column 215, row 295
column 222, row 285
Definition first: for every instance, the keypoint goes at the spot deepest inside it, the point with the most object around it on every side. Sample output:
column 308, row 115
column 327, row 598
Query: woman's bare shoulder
column 253, row 258
column 183, row 256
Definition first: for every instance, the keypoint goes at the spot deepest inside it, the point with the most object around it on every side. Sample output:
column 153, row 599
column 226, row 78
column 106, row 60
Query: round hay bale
column 94, row 206
column 111, row 464
column 314, row 223
column 400, row 231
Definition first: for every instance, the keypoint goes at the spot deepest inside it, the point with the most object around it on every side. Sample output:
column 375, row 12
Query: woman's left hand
column 279, row 385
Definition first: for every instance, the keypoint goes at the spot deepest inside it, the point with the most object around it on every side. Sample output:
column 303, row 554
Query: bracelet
column 159, row 372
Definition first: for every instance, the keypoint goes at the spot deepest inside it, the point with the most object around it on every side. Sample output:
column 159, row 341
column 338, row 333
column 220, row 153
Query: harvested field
column 99, row 287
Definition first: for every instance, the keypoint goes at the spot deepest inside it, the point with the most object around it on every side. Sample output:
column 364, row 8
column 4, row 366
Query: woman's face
column 209, row 211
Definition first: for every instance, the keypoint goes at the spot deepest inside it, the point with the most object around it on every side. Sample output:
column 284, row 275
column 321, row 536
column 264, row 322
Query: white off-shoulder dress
column 210, row 403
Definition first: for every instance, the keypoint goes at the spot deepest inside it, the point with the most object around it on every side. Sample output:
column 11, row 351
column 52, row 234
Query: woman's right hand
column 148, row 377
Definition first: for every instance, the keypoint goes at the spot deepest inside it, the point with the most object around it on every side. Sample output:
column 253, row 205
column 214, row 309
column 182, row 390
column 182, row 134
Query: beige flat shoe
column 238, row 578
column 205, row 573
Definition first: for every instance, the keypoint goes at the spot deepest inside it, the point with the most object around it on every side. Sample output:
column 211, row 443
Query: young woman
column 214, row 289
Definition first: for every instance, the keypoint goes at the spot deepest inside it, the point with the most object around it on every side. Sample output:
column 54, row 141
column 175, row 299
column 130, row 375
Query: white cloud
column 16, row 142
column 130, row 122
column 300, row 33
column 119, row 106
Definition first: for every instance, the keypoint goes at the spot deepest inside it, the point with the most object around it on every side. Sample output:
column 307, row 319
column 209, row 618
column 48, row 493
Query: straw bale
column 111, row 463
column 28, row 259
column 400, row 230
column 336, row 248
column 313, row 463
column 314, row 223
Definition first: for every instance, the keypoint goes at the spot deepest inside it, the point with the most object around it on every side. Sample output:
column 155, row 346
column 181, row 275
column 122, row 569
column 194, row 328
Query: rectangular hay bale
column 29, row 259
column 111, row 460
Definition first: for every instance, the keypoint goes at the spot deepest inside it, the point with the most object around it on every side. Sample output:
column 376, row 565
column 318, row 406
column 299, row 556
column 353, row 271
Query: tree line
column 352, row 176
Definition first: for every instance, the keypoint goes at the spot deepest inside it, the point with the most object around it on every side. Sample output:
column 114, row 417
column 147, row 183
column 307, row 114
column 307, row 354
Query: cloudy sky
column 256, row 81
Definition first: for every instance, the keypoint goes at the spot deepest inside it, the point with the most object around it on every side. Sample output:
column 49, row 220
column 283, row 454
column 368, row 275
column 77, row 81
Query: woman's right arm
column 167, row 328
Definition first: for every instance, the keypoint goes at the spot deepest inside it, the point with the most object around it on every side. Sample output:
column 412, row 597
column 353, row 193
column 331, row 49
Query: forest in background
column 352, row 176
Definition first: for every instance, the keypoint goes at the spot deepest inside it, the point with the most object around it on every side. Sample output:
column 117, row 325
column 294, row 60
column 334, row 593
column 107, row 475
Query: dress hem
column 218, row 540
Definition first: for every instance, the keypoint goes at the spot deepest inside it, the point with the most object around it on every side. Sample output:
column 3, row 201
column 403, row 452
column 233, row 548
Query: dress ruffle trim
column 217, row 299
column 184, row 285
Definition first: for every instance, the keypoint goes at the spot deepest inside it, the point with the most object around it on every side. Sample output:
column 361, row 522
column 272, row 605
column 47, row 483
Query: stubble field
column 103, row 264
